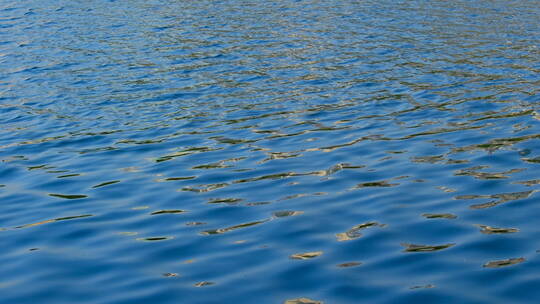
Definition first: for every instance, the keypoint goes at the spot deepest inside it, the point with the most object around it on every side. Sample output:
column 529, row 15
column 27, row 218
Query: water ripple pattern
column 286, row 151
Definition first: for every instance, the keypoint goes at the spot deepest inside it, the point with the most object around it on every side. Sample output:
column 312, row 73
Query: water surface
column 269, row 151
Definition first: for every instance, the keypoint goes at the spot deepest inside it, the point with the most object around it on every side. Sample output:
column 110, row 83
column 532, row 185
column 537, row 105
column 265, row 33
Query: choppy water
column 264, row 151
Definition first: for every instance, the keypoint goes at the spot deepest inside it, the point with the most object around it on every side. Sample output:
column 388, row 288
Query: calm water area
column 242, row 151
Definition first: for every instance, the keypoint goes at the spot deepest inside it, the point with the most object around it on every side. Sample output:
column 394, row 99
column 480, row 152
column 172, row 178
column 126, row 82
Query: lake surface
column 269, row 151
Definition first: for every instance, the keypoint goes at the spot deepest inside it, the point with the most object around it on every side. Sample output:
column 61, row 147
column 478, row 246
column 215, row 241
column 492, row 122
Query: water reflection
column 425, row 248
column 354, row 233
column 439, row 215
column 349, row 264
column 204, row 283
column 167, row 211
column 503, row 263
column 306, row 255
column 54, row 220
column 493, row 230
column 302, row 301
column 231, row 228
column 68, row 196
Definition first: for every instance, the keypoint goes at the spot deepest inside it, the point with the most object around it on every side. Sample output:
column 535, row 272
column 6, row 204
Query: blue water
column 269, row 151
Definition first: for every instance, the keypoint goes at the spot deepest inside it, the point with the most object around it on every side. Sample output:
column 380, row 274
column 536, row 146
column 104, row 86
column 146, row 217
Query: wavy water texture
column 269, row 151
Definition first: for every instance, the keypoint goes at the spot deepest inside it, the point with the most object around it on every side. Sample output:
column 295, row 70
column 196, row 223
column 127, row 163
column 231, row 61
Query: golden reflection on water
column 529, row 183
column 140, row 208
column 204, row 283
column 439, row 215
column 493, row 230
column 503, row 263
column 55, row 220
column 302, row 301
column 354, row 233
column 306, row 255
column 502, row 198
column 349, row 264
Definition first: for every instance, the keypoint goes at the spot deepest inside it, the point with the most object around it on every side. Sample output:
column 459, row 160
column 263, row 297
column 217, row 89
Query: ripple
column 205, row 188
column 535, row 160
column 354, row 233
column 493, row 230
column 529, row 182
column 105, row 184
column 498, row 143
column 68, row 196
column 302, row 301
column 375, row 184
column 267, row 177
column 212, row 166
column 155, row 238
column 502, row 198
column 228, row 201
column 425, row 248
column 306, row 255
column 69, row 175
column 423, row 286
column 504, row 263
column 428, row 159
column 185, row 152
column 279, row 214
column 177, row 178
column 486, row 175
column 195, row 223
column 204, row 283
column 349, row 264
column 169, row 211
column 439, row 215
column 446, row 189
column 55, row 220
column 231, row 228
